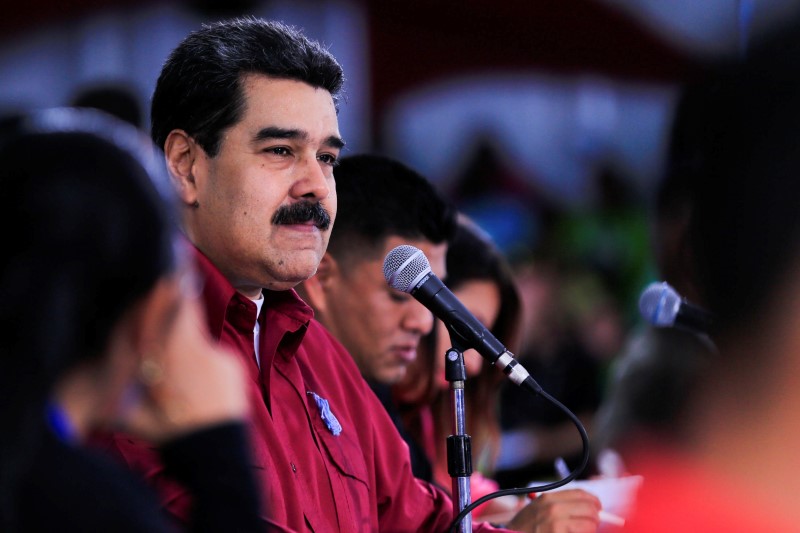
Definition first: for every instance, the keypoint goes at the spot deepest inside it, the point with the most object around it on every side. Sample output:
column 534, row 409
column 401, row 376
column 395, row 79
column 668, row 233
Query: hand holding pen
column 563, row 471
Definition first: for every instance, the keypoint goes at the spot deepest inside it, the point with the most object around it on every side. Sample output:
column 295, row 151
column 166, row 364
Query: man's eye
column 398, row 297
column 278, row 150
column 328, row 159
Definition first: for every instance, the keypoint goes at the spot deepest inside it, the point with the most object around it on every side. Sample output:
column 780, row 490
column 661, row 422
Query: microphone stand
column 459, row 447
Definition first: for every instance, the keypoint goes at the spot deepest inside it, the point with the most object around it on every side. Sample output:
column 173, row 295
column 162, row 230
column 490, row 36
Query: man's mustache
column 303, row 212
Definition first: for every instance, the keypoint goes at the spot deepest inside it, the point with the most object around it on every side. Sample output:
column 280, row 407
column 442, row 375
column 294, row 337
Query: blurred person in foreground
column 245, row 111
column 100, row 325
column 116, row 99
column 382, row 204
column 660, row 365
column 732, row 465
column 481, row 279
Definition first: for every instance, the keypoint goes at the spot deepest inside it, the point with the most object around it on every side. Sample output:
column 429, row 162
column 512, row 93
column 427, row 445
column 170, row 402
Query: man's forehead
column 368, row 260
column 436, row 253
column 255, row 84
column 283, row 98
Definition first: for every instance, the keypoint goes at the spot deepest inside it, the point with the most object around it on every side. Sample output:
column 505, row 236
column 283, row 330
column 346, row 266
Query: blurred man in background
column 382, row 204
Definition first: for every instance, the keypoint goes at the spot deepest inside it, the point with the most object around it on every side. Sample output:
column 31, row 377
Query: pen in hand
column 563, row 471
column 561, row 467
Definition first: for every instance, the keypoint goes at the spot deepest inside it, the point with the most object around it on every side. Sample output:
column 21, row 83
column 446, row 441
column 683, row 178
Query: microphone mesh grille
column 659, row 304
column 403, row 265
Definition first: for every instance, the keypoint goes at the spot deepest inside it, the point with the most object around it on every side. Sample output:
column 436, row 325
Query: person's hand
column 186, row 382
column 566, row 511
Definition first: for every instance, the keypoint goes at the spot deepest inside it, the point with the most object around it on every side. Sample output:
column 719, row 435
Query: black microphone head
column 659, row 304
column 404, row 267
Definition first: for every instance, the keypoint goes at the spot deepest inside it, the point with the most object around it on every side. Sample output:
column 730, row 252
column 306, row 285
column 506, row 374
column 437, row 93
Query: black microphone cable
column 542, row 488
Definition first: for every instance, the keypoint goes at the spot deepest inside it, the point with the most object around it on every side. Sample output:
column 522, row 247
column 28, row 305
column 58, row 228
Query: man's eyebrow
column 334, row 142
column 274, row 132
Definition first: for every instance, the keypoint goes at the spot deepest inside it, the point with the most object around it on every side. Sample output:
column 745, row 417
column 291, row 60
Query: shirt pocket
column 349, row 477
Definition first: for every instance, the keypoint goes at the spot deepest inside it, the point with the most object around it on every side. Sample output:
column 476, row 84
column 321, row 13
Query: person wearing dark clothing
column 420, row 464
column 85, row 491
column 99, row 326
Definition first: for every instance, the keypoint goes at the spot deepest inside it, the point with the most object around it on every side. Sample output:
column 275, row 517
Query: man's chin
column 283, row 280
column 281, row 285
column 391, row 377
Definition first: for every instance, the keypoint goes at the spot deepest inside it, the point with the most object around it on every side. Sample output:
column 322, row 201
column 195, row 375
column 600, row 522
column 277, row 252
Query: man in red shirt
column 246, row 113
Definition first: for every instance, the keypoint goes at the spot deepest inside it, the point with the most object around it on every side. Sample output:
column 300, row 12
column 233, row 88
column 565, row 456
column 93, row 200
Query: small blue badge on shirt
column 326, row 414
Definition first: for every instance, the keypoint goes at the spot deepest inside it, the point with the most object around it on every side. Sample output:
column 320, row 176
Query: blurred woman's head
column 479, row 276
column 88, row 236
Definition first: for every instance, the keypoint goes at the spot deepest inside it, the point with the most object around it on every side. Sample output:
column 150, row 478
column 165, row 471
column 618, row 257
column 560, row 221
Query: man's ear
column 181, row 153
column 318, row 287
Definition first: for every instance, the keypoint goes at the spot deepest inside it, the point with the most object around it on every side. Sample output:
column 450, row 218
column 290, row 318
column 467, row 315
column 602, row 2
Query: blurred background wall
column 544, row 119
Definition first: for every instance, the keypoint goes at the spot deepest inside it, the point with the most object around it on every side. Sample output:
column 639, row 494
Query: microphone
column 407, row 269
column 663, row 307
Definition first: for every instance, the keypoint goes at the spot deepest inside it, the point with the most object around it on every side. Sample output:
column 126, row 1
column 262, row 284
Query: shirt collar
column 218, row 293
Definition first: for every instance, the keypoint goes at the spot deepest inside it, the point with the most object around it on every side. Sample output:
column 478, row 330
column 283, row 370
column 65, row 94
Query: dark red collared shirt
column 313, row 475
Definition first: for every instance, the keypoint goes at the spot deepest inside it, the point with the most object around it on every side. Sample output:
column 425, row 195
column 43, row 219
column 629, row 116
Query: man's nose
column 418, row 318
column 312, row 180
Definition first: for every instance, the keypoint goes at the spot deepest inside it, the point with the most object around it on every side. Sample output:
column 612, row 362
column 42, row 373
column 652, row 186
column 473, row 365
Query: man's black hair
column 200, row 86
column 380, row 198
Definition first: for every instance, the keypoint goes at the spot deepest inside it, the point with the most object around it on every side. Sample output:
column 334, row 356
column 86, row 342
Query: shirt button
column 294, row 468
